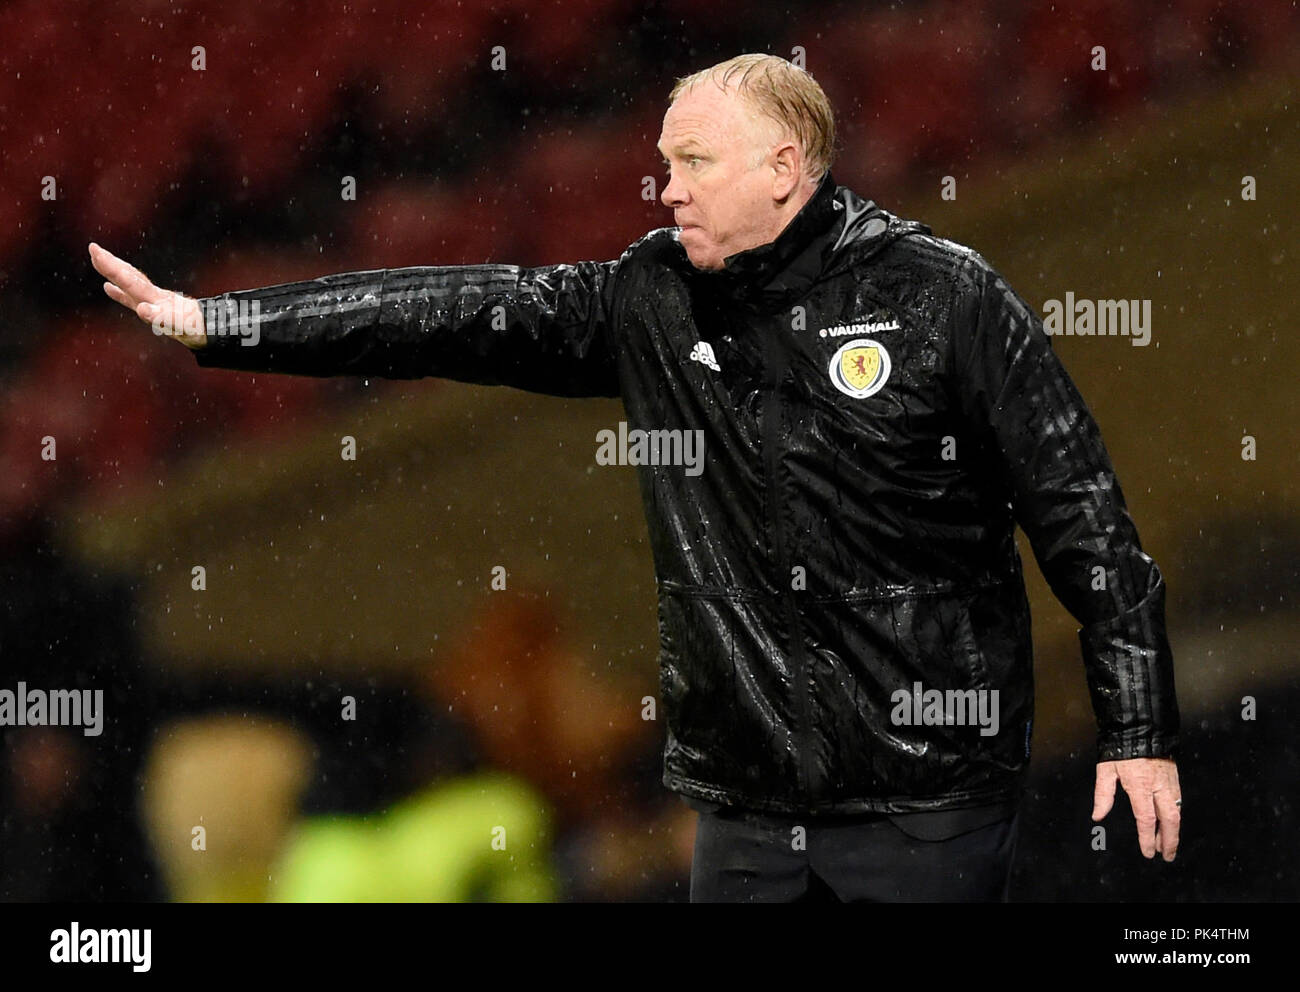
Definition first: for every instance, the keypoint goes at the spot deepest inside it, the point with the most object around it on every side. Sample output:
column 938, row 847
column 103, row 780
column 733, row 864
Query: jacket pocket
column 727, row 691
column 913, row 690
column 995, row 634
column 944, row 639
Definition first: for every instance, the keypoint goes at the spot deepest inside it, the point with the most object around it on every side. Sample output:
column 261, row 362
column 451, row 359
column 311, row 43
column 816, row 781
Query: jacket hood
column 834, row 227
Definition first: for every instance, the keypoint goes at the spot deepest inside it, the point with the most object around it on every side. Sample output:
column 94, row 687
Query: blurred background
column 348, row 708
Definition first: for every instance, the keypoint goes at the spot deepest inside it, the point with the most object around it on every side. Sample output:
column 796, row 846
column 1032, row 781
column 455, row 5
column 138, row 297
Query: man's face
column 721, row 200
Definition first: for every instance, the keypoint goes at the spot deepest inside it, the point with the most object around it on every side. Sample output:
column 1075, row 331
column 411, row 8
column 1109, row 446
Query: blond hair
column 785, row 94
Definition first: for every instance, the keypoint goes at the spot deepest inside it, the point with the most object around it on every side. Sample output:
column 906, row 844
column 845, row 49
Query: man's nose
column 674, row 194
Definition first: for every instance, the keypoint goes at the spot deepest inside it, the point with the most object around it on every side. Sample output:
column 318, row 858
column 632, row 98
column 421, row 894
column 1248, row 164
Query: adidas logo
column 703, row 353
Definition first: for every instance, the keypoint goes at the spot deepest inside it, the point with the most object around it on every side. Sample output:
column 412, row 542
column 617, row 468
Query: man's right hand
column 167, row 312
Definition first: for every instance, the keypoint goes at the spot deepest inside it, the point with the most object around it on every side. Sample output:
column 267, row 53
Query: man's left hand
column 1152, row 788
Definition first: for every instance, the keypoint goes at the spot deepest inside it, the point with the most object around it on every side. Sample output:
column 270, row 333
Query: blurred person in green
column 545, row 820
column 482, row 838
column 524, row 827
column 220, row 800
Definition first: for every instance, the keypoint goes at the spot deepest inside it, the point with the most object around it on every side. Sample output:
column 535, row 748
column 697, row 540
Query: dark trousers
column 742, row 856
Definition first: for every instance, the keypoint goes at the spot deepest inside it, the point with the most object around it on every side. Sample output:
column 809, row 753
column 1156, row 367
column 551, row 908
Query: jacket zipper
column 776, row 367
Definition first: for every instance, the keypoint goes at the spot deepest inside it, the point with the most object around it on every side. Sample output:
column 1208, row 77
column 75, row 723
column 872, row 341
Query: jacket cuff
column 1130, row 671
column 1119, row 747
column 221, row 338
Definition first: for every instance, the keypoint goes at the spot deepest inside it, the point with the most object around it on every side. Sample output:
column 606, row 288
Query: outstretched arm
column 544, row 329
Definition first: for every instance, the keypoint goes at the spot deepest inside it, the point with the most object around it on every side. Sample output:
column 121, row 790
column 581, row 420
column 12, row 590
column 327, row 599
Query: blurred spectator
column 220, row 794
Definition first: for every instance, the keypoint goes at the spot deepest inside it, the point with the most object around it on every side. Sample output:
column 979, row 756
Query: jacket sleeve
column 1017, row 397
column 542, row 329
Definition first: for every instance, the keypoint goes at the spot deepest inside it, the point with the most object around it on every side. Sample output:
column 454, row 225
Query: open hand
column 167, row 312
column 1152, row 788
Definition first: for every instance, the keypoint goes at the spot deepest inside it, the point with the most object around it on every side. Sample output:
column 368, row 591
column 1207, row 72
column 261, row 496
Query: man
column 845, row 649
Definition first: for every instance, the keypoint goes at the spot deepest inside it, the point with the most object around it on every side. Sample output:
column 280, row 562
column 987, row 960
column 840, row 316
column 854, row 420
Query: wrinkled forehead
column 709, row 116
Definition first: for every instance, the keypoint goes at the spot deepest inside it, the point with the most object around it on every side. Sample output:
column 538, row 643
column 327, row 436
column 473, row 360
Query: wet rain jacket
column 878, row 411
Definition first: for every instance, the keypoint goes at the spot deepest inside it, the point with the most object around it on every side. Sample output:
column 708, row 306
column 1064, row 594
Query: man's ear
column 787, row 167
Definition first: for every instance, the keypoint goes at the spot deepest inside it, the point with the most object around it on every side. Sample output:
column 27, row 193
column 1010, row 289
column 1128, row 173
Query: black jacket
column 878, row 411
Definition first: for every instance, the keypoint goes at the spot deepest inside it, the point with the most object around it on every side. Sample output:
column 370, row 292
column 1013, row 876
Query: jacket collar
column 769, row 274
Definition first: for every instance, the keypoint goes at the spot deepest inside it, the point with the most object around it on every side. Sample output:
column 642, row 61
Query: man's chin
column 710, row 263
column 705, row 262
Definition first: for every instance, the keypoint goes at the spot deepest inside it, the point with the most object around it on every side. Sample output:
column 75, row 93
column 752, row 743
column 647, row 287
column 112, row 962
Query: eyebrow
column 689, row 146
